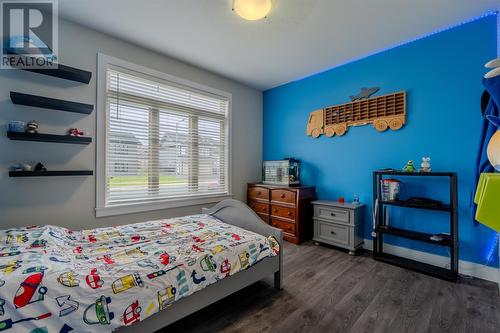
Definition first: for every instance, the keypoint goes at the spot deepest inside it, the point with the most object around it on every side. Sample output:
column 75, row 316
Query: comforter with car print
column 57, row 280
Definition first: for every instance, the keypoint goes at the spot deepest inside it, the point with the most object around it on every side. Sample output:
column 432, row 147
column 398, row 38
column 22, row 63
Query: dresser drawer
column 259, row 207
column 258, row 193
column 264, row 217
column 285, row 226
column 332, row 213
column 282, row 211
column 285, row 196
column 335, row 233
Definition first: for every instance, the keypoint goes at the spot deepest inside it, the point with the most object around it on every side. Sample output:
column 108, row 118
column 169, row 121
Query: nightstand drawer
column 332, row 213
column 335, row 233
column 281, row 211
column 259, row 207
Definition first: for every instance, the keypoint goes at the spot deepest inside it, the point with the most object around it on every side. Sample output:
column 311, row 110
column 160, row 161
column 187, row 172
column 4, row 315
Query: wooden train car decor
column 387, row 111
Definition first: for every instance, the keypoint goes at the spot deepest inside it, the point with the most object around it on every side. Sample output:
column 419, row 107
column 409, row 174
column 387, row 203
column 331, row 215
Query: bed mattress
column 57, row 280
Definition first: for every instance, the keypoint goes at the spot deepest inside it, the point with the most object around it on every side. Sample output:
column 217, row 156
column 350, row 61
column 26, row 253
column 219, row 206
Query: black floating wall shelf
column 65, row 72
column 62, row 72
column 50, row 173
column 21, row 136
column 50, row 103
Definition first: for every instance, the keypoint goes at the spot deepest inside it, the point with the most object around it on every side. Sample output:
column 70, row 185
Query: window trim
column 103, row 61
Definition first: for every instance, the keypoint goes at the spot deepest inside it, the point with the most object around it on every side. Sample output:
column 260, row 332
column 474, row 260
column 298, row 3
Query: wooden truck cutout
column 387, row 111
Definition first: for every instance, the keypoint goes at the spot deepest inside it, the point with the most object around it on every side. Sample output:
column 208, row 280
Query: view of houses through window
column 163, row 141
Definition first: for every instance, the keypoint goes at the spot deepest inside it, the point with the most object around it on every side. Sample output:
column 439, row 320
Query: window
column 166, row 141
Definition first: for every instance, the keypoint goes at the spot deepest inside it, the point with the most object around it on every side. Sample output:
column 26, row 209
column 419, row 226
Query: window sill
column 152, row 206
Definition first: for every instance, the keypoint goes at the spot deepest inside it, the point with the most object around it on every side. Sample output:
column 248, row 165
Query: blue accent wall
column 442, row 76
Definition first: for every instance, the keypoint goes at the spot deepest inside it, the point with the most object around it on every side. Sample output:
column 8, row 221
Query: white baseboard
column 464, row 267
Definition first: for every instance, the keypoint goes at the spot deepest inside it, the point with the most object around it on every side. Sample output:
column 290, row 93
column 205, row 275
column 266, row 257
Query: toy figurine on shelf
column 32, row 127
column 409, row 167
column 22, row 167
column 75, row 132
column 40, row 167
column 425, row 166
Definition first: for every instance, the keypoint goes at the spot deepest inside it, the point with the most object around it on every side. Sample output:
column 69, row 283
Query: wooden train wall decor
column 387, row 111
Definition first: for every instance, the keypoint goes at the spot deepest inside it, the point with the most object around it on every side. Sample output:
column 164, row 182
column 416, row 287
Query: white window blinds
column 163, row 140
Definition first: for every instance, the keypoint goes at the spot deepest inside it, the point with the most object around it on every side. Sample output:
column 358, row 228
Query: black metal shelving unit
column 40, row 137
column 382, row 229
column 50, row 103
column 50, row 173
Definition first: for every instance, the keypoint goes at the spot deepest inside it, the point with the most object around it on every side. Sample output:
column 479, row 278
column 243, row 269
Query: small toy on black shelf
column 75, row 132
column 40, row 167
column 425, row 166
column 22, row 167
column 409, row 167
column 32, row 127
column 16, row 126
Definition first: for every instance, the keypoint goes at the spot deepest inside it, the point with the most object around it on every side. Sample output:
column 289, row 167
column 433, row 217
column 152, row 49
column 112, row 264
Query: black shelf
column 64, row 72
column 39, row 137
column 418, row 266
column 50, row 103
column 50, row 173
column 417, row 174
column 382, row 229
column 443, row 208
column 415, row 235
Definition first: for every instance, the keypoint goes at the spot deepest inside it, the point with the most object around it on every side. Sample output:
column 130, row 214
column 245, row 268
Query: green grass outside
column 143, row 180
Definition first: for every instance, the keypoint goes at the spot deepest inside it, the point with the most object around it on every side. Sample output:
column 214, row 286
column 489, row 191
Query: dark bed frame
column 238, row 214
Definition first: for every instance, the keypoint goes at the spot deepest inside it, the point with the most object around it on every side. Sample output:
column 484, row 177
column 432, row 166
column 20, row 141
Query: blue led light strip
column 413, row 40
column 492, row 251
column 498, row 33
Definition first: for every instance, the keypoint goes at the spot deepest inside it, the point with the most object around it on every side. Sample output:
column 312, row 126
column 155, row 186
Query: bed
column 138, row 277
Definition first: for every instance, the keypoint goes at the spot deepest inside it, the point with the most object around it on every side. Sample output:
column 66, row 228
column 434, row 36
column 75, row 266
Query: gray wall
column 70, row 201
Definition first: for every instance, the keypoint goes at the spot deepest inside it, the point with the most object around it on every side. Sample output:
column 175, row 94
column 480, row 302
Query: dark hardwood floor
column 326, row 290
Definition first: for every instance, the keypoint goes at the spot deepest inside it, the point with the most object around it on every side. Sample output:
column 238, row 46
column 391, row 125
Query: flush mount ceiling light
column 252, row 10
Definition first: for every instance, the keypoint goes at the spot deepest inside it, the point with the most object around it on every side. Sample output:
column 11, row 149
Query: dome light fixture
column 252, row 10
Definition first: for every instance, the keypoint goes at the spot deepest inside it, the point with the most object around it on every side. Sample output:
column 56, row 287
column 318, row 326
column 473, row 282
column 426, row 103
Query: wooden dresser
column 286, row 207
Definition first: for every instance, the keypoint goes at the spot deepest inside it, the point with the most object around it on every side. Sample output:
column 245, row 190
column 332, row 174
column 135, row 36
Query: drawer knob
column 289, row 213
column 264, row 209
column 333, row 232
column 282, row 196
column 275, row 210
column 258, row 192
column 289, row 228
column 333, row 214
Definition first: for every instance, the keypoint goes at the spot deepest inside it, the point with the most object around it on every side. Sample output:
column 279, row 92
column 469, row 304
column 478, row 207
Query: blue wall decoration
column 442, row 76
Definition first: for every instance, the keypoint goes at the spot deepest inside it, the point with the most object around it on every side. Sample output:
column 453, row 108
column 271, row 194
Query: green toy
column 487, row 194
column 409, row 167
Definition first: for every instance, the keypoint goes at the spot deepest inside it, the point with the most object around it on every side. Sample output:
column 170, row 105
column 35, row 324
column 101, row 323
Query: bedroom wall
column 70, row 201
column 442, row 76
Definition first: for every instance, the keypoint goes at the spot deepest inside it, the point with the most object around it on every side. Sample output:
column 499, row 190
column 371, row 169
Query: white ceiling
column 299, row 38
